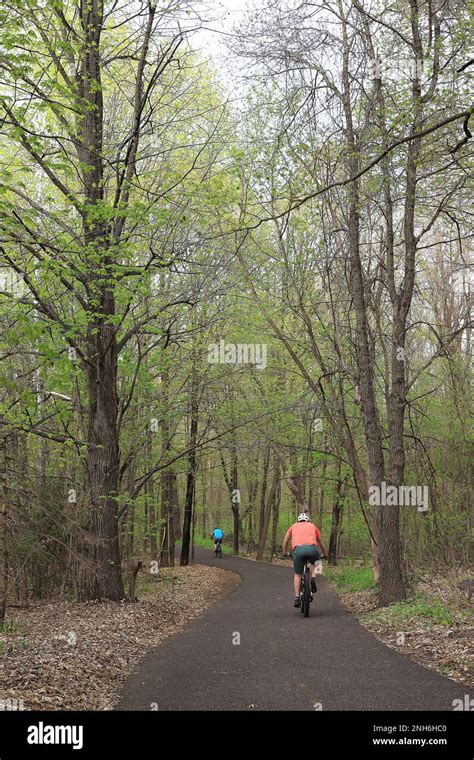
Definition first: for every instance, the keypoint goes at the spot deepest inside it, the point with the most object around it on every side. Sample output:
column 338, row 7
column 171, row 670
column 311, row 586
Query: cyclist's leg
column 298, row 566
column 316, row 556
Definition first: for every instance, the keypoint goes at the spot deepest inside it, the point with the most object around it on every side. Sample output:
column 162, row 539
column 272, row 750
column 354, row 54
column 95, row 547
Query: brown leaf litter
column 76, row 656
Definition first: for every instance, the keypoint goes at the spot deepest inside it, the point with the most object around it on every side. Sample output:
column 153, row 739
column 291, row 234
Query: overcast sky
column 223, row 15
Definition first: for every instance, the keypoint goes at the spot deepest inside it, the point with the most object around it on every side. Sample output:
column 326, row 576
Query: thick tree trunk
column 392, row 586
column 102, row 457
column 391, row 580
column 102, row 467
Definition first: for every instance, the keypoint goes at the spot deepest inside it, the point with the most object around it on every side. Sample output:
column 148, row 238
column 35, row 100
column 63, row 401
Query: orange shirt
column 304, row 533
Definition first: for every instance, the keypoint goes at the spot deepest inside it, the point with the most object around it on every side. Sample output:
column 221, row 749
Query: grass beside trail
column 418, row 609
column 350, row 577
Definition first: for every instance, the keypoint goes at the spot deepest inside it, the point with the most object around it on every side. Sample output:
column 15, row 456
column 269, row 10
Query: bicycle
column 218, row 549
column 306, row 595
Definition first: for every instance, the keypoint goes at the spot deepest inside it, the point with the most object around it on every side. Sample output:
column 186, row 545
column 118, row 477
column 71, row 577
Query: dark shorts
column 302, row 553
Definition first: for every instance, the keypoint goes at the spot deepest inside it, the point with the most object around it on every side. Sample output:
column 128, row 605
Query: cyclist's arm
column 286, row 540
column 322, row 544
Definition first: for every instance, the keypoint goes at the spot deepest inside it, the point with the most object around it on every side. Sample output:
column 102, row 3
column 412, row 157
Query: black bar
column 134, row 734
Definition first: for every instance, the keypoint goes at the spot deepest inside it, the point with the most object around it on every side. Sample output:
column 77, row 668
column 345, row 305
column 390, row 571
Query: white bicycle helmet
column 303, row 517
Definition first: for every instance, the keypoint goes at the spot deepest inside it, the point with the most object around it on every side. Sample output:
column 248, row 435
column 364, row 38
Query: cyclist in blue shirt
column 217, row 535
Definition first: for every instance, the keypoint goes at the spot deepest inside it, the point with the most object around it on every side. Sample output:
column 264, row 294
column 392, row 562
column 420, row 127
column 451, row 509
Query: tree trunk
column 268, row 509
column 336, row 519
column 133, row 581
column 391, row 580
column 191, row 475
column 4, row 520
column 322, row 494
column 275, row 518
column 151, row 544
column 235, row 501
column 167, row 483
column 102, row 456
column 266, row 464
column 102, row 467
column 234, row 494
column 167, row 533
column 193, row 532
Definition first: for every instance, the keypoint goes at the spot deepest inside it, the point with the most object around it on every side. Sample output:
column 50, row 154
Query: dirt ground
column 70, row 656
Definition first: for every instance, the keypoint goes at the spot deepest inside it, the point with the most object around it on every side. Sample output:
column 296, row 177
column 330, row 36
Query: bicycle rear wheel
column 306, row 596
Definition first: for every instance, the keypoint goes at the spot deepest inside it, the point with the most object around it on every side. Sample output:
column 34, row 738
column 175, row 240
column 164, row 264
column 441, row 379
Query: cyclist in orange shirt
column 306, row 539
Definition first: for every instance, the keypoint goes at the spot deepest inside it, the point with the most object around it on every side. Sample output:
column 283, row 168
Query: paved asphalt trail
column 284, row 661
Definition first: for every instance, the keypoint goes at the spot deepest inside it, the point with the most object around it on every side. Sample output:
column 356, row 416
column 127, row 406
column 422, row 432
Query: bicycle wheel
column 306, row 600
column 302, row 592
column 219, row 552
